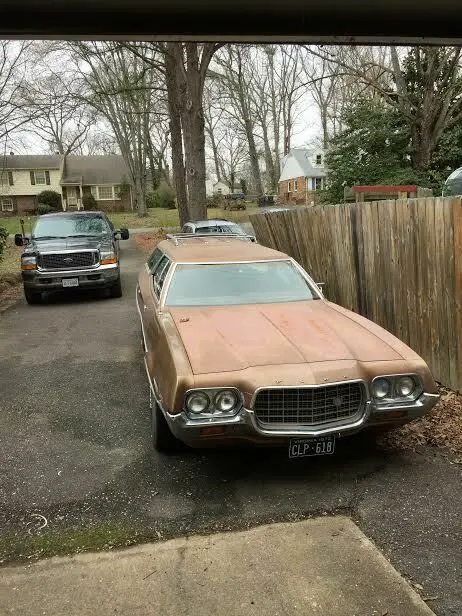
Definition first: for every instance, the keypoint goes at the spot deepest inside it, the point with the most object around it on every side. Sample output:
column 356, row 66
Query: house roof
column 105, row 169
column 299, row 163
column 31, row 161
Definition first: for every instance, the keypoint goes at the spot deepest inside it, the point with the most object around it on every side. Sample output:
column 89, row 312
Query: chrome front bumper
column 45, row 280
column 244, row 425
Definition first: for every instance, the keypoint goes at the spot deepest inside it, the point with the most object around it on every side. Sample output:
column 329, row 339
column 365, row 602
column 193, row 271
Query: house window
column 295, row 185
column 319, row 159
column 40, row 177
column 7, row 204
column 104, row 193
column 317, row 183
column 6, row 179
column 289, row 187
column 219, row 191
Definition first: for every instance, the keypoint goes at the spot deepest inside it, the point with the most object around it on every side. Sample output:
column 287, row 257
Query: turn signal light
column 213, row 431
column 108, row 261
column 26, row 266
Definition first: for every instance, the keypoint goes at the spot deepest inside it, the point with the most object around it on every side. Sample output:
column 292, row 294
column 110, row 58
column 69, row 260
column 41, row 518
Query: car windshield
column 70, row 226
column 225, row 284
column 220, row 229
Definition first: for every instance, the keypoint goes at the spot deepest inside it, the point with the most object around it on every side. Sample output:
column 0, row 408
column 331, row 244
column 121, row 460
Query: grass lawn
column 157, row 217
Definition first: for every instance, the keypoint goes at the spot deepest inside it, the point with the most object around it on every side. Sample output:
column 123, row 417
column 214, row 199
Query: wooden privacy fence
column 398, row 263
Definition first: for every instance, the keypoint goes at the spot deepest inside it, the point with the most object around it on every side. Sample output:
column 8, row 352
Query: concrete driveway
column 76, row 456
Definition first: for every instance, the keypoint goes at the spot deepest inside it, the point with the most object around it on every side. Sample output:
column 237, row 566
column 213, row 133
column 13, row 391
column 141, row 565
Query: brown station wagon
column 242, row 347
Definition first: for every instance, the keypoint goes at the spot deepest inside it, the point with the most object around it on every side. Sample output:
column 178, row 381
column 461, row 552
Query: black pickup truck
column 69, row 250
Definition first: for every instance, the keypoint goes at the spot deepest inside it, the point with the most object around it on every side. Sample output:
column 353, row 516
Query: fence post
column 457, row 225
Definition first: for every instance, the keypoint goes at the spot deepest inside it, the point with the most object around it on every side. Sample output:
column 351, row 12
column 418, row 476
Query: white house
column 221, row 188
column 303, row 174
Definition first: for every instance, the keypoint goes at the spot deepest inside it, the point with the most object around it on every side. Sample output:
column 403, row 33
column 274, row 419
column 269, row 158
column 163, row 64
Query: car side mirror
column 321, row 286
column 19, row 240
column 124, row 234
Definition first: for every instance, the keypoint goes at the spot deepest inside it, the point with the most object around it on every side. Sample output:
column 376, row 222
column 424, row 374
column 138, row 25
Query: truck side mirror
column 18, row 239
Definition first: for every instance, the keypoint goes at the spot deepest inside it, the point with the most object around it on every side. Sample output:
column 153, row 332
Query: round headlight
column 381, row 388
column 226, row 401
column 197, row 402
column 405, row 386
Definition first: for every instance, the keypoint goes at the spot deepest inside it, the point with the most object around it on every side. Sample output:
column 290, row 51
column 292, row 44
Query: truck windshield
column 224, row 284
column 70, row 226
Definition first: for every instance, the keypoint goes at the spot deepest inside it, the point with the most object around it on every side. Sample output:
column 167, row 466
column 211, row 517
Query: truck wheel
column 162, row 437
column 116, row 288
column 32, row 297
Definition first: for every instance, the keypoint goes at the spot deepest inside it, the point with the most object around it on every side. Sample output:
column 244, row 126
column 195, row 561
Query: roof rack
column 177, row 237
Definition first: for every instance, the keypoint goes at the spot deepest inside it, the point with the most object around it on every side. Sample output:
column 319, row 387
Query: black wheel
column 162, row 437
column 116, row 288
column 32, row 297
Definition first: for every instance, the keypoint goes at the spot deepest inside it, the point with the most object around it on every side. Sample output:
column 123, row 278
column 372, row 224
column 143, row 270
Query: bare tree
column 233, row 69
column 121, row 87
column 13, row 65
column 232, row 153
column 423, row 84
column 58, row 116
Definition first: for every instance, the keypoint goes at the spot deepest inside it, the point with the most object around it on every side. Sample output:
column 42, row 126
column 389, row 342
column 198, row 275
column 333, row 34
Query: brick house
column 24, row 177
column 303, row 175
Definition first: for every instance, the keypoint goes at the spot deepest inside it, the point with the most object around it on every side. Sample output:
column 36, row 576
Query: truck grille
column 68, row 260
column 309, row 406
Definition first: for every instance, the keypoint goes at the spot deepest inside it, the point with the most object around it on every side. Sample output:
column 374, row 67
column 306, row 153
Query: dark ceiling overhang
column 333, row 21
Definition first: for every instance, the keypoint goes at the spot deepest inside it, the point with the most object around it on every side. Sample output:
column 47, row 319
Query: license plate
column 70, row 282
column 317, row 446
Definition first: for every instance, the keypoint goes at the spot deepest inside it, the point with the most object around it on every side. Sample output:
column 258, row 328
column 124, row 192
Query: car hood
column 69, row 243
column 224, row 339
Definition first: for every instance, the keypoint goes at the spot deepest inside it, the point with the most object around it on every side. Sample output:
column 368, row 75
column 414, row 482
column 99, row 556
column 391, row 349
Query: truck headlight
column 107, row 257
column 28, row 262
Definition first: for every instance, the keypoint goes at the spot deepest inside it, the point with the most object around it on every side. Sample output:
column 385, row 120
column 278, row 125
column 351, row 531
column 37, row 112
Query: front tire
column 116, row 288
column 162, row 437
column 32, row 297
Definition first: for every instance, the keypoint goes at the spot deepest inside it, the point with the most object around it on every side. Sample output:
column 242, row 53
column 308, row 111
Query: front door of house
column 71, row 195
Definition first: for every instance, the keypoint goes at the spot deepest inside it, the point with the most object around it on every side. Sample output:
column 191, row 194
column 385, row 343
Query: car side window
column 159, row 275
column 188, row 229
column 154, row 259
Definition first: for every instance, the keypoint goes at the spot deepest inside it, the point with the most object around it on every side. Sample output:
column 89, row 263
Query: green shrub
column 163, row 197
column 3, row 238
column 89, row 202
column 50, row 198
column 43, row 208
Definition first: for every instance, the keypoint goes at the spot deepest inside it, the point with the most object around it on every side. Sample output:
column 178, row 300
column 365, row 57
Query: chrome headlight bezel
column 395, row 395
column 213, row 411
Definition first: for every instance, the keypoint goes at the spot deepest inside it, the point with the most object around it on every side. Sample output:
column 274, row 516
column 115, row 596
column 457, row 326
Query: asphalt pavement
column 77, row 470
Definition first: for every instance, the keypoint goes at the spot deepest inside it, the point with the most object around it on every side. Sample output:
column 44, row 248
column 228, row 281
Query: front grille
column 68, row 260
column 309, row 406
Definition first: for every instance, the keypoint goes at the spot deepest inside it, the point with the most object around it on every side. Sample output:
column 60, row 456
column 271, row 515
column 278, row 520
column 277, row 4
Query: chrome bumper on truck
column 44, row 280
